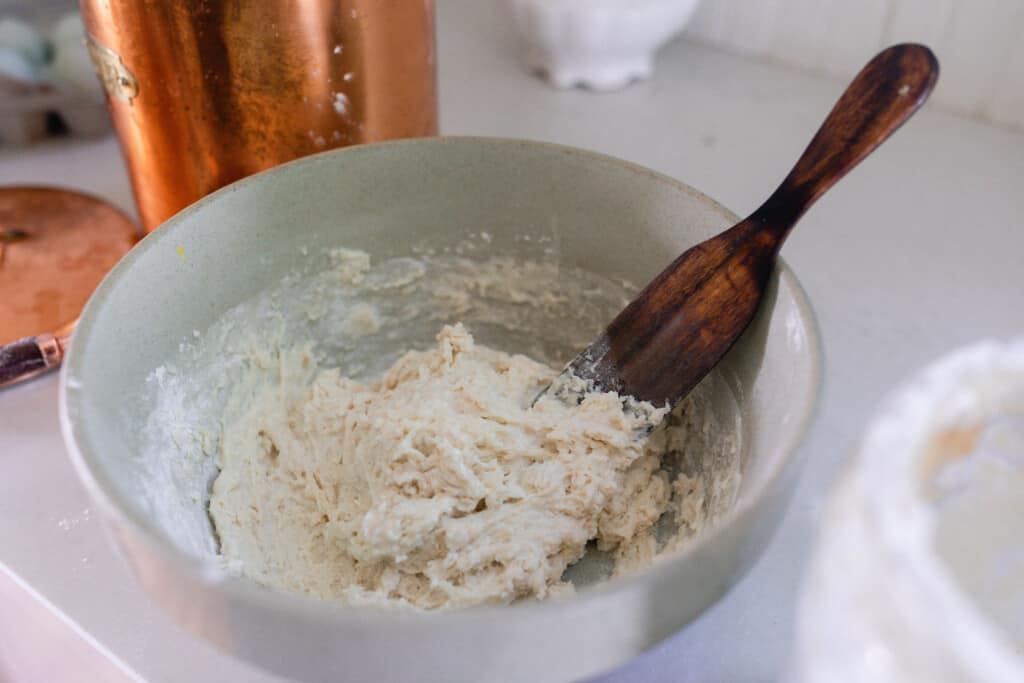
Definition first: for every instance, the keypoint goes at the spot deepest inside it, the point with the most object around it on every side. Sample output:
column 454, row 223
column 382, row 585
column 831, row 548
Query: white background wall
column 980, row 43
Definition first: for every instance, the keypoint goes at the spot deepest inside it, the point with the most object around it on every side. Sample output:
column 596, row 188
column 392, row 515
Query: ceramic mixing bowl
column 574, row 208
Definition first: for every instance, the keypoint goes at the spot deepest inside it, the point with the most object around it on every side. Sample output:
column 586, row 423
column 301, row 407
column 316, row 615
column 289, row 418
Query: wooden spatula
column 668, row 338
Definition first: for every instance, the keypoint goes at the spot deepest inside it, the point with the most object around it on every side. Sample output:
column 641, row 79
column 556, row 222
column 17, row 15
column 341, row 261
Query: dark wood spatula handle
column 668, row 338
column 879, row 100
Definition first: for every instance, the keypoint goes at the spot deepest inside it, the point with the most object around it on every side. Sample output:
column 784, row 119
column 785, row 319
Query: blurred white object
column 40, row 77
column 15, row 65
column 72, row 73
column 72, row 69
column 68, row 29
column 25, row 39
column 918, row 573
column 19, row 78
column 599, row 44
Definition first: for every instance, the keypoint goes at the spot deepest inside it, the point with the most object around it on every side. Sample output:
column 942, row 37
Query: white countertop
column 918, row 251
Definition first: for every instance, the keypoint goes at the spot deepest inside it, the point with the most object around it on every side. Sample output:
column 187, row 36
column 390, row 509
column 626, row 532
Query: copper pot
column 204, row 92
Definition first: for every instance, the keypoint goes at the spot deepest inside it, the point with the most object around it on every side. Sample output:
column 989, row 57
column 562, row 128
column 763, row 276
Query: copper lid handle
column 29, row 357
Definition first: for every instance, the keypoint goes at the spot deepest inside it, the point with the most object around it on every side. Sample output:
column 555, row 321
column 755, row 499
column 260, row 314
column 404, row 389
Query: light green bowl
column 611, row 217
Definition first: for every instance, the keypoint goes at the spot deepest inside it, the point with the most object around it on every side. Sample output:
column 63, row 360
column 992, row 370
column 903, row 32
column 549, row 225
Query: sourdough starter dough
column 423, row 479
column 438, row 486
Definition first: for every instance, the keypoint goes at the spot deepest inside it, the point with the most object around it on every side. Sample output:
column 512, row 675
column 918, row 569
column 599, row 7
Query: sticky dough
column 438, row 486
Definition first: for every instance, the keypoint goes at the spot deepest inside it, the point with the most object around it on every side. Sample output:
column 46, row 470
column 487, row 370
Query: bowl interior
column 460, row 199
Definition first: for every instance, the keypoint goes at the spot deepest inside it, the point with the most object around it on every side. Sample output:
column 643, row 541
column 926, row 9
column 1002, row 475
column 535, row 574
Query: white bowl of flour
column 918, row 573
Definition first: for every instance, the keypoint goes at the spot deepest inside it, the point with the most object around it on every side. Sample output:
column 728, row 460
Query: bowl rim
column 208, row 571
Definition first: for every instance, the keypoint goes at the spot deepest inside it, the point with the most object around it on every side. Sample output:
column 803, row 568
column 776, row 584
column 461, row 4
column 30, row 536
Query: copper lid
column 55, row 248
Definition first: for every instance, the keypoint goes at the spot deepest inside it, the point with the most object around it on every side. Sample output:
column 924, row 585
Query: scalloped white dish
column 597, row 44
